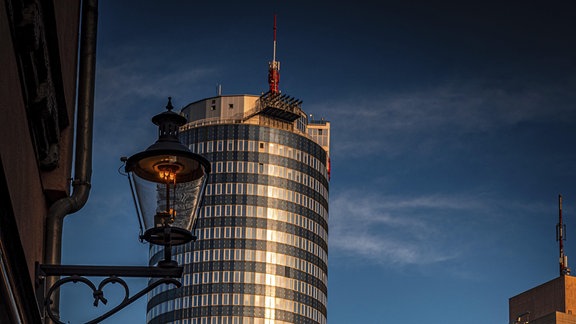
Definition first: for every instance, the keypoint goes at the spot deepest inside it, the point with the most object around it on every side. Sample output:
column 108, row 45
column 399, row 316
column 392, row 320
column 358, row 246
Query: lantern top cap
column 146, row 164
column 168, row 150
column 169, row 117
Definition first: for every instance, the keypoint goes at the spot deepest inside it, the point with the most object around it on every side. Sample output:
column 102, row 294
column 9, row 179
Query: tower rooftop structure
column 274, row 68
column 553, row 302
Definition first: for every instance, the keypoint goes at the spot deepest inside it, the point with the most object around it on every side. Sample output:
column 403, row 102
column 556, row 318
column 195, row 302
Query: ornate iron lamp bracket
column 75, row 274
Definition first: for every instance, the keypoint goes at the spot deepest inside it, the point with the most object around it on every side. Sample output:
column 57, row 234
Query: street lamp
column 167, row 182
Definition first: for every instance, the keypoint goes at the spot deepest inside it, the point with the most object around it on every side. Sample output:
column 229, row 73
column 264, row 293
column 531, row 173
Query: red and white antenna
column 274, row 67
column 560, row 232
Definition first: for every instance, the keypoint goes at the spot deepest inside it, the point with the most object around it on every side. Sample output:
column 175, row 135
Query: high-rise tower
column 262, row 249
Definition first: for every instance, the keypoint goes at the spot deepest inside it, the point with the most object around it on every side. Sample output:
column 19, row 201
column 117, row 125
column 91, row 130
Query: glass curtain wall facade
column 262, row 250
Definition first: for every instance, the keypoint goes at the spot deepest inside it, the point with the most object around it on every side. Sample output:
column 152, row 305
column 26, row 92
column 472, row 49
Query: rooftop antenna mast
column 274, row 67
column 560, row 238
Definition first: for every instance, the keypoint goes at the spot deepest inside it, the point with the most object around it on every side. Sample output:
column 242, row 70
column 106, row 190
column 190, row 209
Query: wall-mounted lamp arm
column 78, row 273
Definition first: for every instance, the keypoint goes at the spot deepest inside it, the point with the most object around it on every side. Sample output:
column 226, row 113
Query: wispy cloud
column 133, row 81
column 397, row 231
column 382, row 230
column 123, row 85
column 389, row 122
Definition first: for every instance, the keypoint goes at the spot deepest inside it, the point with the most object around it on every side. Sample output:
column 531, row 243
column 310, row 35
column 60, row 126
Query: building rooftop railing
column 280, row 106
column 272, row 109
column 260, row 121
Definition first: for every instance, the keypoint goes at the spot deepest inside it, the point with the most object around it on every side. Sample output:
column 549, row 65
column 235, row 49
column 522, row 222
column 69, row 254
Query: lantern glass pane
column 171, row 203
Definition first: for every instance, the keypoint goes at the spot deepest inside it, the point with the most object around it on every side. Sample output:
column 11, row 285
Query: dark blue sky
column 453, row 132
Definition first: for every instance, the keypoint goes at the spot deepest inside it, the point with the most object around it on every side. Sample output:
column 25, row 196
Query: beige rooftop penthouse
column 553, row 302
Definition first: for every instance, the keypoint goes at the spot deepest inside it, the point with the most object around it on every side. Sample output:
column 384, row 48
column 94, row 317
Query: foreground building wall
column 262, row 249
column 37, row 93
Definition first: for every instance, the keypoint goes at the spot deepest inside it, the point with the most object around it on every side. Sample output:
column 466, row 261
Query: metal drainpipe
column 84, row 129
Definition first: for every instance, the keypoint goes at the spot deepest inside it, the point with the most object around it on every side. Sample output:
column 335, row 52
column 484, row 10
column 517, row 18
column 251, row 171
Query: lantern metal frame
column 167, row 269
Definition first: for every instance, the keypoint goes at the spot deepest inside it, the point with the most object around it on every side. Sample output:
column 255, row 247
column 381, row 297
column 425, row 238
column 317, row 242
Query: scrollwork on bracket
column 98, row 294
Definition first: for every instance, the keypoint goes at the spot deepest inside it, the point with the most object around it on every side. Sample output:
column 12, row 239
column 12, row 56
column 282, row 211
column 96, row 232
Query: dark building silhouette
column 38, row 60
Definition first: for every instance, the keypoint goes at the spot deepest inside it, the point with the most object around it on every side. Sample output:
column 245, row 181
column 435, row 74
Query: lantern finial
column 169, row 106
